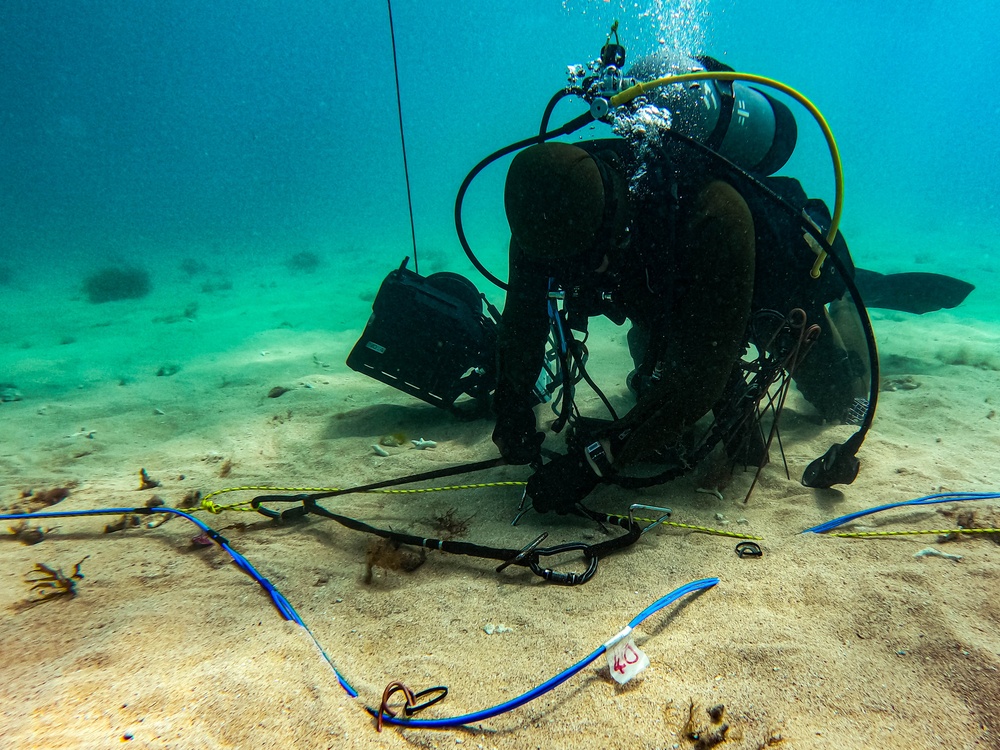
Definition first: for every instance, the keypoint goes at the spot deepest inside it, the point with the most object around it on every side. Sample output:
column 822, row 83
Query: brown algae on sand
column 389, row 554
column 50, row 583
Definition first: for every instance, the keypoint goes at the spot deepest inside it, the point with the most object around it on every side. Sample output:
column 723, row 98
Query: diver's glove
column 562, row 483
column 518, row 439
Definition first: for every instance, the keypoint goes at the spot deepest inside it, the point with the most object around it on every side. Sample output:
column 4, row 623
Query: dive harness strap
column 529, row 556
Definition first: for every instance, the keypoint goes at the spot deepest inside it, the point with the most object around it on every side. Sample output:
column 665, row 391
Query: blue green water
column 152, row 132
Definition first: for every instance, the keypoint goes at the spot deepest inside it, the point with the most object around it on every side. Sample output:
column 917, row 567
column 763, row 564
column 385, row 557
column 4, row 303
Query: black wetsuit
column 699, row 260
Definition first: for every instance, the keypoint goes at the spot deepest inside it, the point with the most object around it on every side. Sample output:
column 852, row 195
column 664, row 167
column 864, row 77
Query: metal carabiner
column 566, row 579
column 665, row 513
column 525, row 551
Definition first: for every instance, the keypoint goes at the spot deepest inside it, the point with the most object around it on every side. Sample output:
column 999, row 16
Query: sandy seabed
column 820, row 643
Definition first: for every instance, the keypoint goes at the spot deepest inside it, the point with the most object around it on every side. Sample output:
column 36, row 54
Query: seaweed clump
column 110, row 283
column 34, row 500
column 303, row 262
column 48, row 583
column 25, row 533
column 192, row 266
column 970, row 525
column 448, row 524
column 705, row 737
column 389, row 554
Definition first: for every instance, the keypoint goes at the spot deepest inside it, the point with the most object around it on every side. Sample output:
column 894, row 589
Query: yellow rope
column 702, row 529
column 211, row 507
column 207, row 504
column 452, row 487
column 861, row 534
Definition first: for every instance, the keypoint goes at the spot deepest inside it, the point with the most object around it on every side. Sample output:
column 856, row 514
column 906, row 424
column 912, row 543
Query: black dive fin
column 911, row 292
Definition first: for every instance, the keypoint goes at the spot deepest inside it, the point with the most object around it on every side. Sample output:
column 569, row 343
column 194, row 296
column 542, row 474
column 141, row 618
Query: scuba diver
column 657, row 233
column 679, row 226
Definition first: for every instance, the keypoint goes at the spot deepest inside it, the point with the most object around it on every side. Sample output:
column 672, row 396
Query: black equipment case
column 429, row 337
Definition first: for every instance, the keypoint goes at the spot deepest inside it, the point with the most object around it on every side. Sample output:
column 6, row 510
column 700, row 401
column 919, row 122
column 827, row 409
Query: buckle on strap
column 599, row 457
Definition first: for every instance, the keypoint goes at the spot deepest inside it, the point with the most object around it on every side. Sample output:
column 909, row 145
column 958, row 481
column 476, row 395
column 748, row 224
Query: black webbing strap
column 529, row 556
column 450, row 471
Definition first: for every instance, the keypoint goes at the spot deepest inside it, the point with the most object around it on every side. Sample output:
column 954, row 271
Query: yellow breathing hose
column 838, row 174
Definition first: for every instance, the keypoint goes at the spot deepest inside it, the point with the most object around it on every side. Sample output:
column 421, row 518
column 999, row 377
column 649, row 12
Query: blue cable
column 287, row 611
column 943, row 497
column 284, row 607
column 454, row 721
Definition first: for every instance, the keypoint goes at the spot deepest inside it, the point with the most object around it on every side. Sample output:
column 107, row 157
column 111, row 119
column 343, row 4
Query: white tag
column 625, row 660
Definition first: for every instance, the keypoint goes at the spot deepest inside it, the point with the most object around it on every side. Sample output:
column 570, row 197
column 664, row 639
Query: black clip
column 287, row 515
column 749, row 549
column 441, row 691
column 410, row 706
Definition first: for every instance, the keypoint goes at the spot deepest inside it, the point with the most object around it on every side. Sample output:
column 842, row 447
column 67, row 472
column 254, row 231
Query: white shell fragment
column 491, row 629
column 931, row 552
